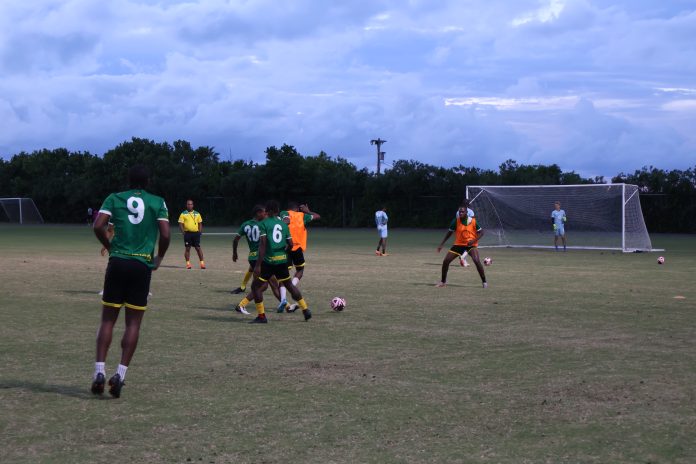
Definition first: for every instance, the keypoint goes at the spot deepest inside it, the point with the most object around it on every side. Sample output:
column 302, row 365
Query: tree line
column 64, row 184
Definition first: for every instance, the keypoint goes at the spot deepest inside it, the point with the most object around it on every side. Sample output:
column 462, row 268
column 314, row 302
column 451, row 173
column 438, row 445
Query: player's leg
column 104, row 336
column 283, row 295
column 462, row 259
column 473, row 252
column 379, row 245
column 196, row 243
column 563, row 239
column 112, row 300
column 258, row 285
column 384, row 244
column 245, row 280
column 449, row 257
column 187, row 252
column 297, row 296
column 135, row 295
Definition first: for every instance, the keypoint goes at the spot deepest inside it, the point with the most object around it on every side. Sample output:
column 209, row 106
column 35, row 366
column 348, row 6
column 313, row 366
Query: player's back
column 135, row 215
column 251, row 231
column 298, row 229
column 277, row 234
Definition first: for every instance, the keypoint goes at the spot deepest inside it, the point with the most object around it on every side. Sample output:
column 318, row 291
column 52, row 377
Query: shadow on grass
column 235, row 320
column 81, row 292
column 66, row 390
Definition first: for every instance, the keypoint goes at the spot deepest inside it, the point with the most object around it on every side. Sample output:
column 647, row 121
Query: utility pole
column 380, row 153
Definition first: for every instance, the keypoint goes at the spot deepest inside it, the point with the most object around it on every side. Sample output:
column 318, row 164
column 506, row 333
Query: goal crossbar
column 599, row 216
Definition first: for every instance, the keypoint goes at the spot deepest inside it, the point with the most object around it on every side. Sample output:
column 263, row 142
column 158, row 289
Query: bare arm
column 262, row 254
column 181, row 227
column 100, row 227
column 305, row 209
column 447, row 235
column 163, row 244
column 235, row 244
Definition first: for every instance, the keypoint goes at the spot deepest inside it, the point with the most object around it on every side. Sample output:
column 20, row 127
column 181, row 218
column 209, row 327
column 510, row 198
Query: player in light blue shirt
column 381, row 220
column 558, row 219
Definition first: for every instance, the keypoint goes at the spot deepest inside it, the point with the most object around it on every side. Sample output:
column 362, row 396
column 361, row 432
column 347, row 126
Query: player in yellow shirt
column 191, row 225
column 296, row 217
column 468, row 233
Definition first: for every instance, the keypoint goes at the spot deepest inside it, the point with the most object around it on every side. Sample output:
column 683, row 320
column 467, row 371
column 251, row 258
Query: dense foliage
column 64, row 184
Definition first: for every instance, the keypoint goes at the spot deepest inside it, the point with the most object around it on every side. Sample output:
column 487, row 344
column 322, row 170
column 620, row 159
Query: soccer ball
column 338, row 303
column 487, row 261
column 661, row 260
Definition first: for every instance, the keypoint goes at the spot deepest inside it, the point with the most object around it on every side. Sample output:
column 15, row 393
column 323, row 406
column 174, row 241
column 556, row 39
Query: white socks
column 295, row 281
column 99, row 369
column 283, row 293
column 122, row 371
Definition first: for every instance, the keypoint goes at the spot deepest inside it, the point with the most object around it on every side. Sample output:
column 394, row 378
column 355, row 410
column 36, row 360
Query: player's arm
column 447, row 235
column 305, row 209
column 235, row 244
column 163, row 243
column 289, row 245
column 181, row 225
column 200, row 225
column 262, row 254
column 100, row 227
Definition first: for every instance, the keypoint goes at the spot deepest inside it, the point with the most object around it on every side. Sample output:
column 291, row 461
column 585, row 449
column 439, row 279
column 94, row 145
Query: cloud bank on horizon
column 597, row 87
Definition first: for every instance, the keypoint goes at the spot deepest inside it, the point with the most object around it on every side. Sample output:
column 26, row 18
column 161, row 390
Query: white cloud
column 572, row 82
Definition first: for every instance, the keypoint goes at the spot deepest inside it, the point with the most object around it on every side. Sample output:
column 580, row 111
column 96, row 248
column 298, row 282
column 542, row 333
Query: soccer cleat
column 440, row 284
column 378, row 253
column 465, row 263
column 115, row 384
column 98, row 384
column 281, row 306
column 237, row 291
column 241, row 309
column 461, row 262
column 202, row 266
column 259, row 320
column 307, row 313
column 485, row 285
column 188, row 265
column 292, row 308
column 385, row 254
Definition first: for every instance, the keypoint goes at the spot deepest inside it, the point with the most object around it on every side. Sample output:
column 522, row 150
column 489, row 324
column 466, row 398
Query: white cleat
column 241, row 309
column 465, row 263
column 485, row 285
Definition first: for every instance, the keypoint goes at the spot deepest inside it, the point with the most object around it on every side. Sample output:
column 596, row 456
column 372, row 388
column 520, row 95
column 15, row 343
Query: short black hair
column 293, row 205
column 138, row 176
column 256, row 209
column 272, row 207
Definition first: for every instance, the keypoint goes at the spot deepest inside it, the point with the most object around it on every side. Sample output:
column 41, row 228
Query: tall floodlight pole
column 380, row 153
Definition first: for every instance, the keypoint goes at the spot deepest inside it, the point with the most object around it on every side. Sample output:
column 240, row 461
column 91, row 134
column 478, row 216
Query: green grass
column 583, row 356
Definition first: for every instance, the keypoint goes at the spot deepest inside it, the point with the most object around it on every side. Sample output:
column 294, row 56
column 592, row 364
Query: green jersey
column 135, row 215
column 277, row 236
column 251, row 230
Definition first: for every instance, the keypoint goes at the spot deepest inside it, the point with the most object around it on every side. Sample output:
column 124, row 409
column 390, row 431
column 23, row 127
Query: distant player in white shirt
column 469, row 213
column 381, row 220
column 558, row 219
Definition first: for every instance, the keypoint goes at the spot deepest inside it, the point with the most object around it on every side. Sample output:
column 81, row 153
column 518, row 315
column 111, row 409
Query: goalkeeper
column 558, row 220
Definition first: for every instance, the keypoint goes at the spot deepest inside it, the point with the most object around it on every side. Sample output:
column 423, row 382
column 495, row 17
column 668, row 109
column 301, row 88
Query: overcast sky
column 596, row 86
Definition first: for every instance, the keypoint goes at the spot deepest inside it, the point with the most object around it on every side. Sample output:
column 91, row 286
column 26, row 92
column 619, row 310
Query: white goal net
column 20, row 210
column 599, row 216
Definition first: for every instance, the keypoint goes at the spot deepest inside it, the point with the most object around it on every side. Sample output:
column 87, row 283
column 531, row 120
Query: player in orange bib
column 468, row 233
column 296, row 217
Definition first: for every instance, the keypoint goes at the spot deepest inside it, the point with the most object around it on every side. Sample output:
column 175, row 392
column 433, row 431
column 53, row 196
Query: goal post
column 20, row 210
column 600, row 216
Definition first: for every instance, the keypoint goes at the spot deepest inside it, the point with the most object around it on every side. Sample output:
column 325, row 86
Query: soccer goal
column 20, row 210
column 600, row 216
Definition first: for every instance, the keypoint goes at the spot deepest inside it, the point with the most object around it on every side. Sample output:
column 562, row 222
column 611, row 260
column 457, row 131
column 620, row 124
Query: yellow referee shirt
column 190, row 220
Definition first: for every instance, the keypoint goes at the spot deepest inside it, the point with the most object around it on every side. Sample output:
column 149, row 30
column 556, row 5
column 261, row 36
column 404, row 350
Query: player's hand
column 555, row 227
column 157, row 261
column 257, row 271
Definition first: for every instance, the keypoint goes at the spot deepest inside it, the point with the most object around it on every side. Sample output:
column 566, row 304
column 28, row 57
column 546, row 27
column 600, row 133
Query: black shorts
column 127, row 282
column 296, row 258
column 280, row 271
column 460, row 249
column 192, row 239
column 252, row 264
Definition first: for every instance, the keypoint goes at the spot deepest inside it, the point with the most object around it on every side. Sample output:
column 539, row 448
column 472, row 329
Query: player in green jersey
column 251, row 231
column 272, row 261
column 138, row 216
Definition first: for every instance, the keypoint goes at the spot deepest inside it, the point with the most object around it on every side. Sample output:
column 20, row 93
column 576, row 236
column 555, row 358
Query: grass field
column 583, row 356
